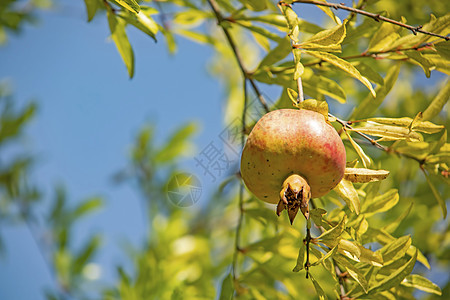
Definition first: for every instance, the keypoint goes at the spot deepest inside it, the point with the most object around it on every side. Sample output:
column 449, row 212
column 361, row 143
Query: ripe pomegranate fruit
column 290, row 156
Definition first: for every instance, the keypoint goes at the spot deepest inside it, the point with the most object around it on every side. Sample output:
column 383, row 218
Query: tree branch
column 376, row 17
column 241, row 193
column 245, row 73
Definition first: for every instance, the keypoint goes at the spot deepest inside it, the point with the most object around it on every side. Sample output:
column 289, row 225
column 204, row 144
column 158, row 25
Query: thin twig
column 376, row 17
column 241, row 193
column 245, row 73
column 375, row 54
column 343, row 293
column 346, row 124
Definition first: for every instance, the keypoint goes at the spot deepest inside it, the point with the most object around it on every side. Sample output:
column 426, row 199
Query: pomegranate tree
column 290, row 156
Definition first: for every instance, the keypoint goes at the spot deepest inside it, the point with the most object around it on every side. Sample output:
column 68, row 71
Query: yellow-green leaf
column 362, row 155
column 390, row 133
column 331, row 237
column 320, row 293
column 327, row 40
column 437, row 196
column 421, row 283
column 315, row 105
column 348, row 193
column 369, row 105
column 415, row 125
column 364, row 175
column 344, row 66
column 396, row 277
column 131, row 5
column 119, row 36
column 383, row 37
column 300, row 259
column 438, row 102
column 353, row 271
column 421, row 60
column 382, row 202
column 91, row 8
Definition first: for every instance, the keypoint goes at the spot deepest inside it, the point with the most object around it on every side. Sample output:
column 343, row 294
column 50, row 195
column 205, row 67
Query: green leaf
column 91, row 8
column 141, row 21
column 177, row 144
column 396, row 277
column 276, row 54
column 327, row 40
column 363, row 175
column 86, row 207
column 323, row 85
column 421, row 283
column 421, row 60
column 353, row 271
column 384, row 37
column 331, row 236
column 344, row 66
column 362, row 155
column 255, row 5
column 119, row 36
column 300, row 259
column 348, row 193
column 349, row 249
column 227, row 288
column 320, row 293
column 318, row 106
column 86, row 253
column 272, row 19
column 392, row 226
column 369, row 105
column 292, row 22
column 437, row 196
column 369, row 73
column 438, row 102
column 260, row 30
column 443, row 48
column 327, row 255
column 421, row 126
column 395, row 249
column 368, row 256
column 131, row 5
column 382, row 202
column 390, row 133
column 316, row 215
column 329, row 13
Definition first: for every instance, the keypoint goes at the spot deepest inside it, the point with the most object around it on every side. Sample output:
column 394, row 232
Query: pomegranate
column 290, row 156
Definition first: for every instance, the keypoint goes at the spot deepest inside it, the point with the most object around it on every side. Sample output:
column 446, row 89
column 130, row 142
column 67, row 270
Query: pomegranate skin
column 291, row 141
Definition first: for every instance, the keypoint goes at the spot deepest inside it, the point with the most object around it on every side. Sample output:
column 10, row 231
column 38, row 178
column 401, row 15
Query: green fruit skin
column 292, row 141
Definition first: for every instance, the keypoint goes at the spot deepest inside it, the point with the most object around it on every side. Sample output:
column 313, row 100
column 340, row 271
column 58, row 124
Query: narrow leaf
column 227, row 289
column 396, row 277
column 395, row 249
column 363, row 156
column 276, row 54
column 369, row 105
column 300, row 259
column 119, row 36
column 421, row 283
column 131, row 5
column 91, row 8
column 391, row 227
column 328, row 40
column 364, row 175
column 331, row 237
column 348, row 193
column 437, row 196
column 320, row 293
column 383, row 202
column 354, row 272
column 438, row 102
column 343, row 65
column 390, row 133
column 417, row 57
